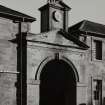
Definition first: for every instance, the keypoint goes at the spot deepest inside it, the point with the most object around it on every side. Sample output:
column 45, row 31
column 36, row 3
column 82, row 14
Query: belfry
column 54, row 15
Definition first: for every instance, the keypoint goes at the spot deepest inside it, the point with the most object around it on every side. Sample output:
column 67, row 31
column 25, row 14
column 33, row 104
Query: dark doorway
column 58, row 84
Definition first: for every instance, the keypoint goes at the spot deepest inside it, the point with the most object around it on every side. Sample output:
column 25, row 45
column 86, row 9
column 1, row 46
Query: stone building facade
column 61, row 65
column 12, row 25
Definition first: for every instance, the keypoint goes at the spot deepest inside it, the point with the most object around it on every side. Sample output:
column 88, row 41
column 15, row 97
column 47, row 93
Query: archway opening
column 58, row 84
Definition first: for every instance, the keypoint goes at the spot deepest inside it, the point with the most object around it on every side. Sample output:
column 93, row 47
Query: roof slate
column 88, row 27
column 12, row 14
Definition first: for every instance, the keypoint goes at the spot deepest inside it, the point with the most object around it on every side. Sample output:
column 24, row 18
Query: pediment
column 58, row 37
column 60, row 4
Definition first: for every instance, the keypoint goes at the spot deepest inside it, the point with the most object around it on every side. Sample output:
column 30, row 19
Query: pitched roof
column 89, row 27
column 14, row 15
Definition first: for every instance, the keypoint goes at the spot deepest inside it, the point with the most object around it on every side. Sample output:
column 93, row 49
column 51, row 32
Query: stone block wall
column 88, row 69
column 8, row 60
column 8, row 63
column 37, row 54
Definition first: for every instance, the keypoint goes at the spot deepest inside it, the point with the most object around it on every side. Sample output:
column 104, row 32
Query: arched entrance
column 57, row 84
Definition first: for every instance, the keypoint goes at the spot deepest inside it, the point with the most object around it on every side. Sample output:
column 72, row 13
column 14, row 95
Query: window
column 97, row 91
column 98, row 47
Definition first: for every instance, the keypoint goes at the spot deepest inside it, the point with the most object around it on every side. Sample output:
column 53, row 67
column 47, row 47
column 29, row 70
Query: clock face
column 57, row 16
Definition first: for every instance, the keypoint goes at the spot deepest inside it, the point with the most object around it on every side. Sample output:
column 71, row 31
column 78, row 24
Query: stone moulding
column 46, row 60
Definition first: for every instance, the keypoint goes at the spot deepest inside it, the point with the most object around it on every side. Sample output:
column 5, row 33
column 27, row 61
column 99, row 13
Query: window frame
column 97, row 93
column 97, row 44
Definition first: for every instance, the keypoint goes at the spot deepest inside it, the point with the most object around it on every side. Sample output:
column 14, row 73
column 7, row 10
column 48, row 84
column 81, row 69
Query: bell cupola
column 54, row 15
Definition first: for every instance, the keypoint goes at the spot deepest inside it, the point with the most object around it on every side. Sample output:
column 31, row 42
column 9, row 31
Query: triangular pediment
column 57, row 37
column 59, row 4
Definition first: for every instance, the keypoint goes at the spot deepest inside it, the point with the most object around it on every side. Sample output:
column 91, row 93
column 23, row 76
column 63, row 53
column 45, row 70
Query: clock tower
column 54, row 15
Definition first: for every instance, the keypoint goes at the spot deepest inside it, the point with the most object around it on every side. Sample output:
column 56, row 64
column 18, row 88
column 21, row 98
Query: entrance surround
column 45, row 61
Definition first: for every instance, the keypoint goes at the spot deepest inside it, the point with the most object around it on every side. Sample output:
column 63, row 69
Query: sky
column 92, row 10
